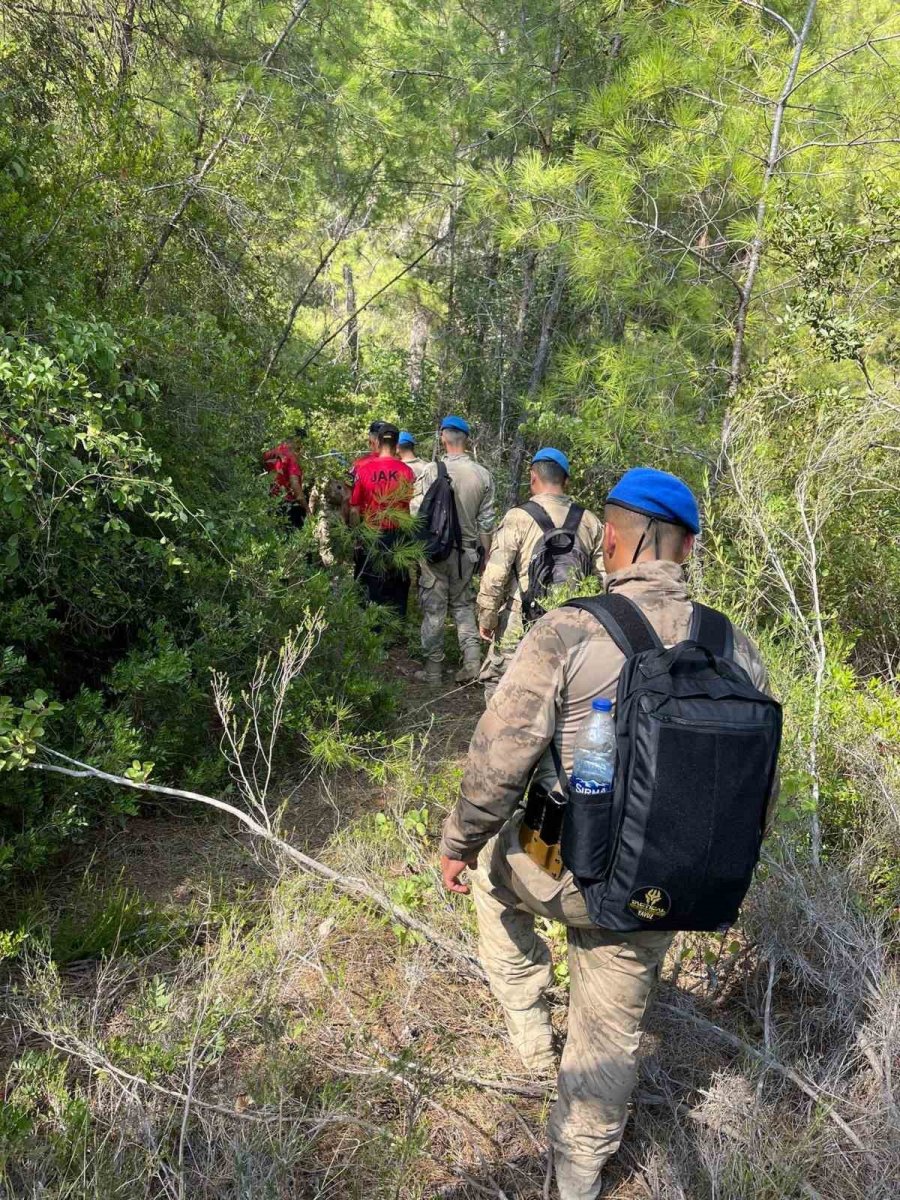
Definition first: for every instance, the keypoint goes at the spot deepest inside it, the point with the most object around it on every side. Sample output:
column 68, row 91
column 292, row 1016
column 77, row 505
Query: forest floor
column 312, row 1001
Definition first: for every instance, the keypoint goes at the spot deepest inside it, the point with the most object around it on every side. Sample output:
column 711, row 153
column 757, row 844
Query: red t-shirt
column 379, row 484
column 362, row 458
column 282, row 463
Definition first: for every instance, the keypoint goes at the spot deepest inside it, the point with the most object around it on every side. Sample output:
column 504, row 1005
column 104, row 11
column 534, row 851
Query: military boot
column 432, row 673
column 471, row 668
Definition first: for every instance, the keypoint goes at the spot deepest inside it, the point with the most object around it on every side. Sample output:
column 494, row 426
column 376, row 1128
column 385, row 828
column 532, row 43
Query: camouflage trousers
column 447, row 586
column 611, row 977
column 506, row 640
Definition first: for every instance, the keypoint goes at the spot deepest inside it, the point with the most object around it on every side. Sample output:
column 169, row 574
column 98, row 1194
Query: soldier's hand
column 487, row 634
column 451, row 869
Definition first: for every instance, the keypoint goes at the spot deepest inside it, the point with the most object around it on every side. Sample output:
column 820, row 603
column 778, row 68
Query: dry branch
column 354, row 887
column 756, row 245
column 804, row 1085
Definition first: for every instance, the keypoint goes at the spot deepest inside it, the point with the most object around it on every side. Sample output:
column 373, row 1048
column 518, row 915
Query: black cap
column 375, row 428
column 389, row 432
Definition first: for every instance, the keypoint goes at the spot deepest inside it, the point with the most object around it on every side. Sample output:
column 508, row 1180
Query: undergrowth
column 287, row 1041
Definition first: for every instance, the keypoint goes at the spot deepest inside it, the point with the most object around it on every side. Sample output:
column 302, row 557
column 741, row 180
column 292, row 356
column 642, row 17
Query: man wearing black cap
column 374, row 430
column 565, row 662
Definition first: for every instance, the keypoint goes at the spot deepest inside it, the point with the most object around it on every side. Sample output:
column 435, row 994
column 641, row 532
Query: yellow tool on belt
column 541, row 826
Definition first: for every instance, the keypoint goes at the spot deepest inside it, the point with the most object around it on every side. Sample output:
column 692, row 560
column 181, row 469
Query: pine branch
column 195, row 182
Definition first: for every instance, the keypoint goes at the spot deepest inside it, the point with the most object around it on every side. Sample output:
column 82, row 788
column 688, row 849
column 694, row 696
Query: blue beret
column 455, row 423
column 657, row 494
column 406, row 439
column 549, row 454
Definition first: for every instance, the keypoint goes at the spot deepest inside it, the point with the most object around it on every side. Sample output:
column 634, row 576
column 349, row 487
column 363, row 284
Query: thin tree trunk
column 314, row 354
column 509, row 369
column 323, row 263
column 756, row 244
column 418, row 341
column 126, row 46
column 538, row 372
column 352, row 331
column 210, row 161
column 528, row 276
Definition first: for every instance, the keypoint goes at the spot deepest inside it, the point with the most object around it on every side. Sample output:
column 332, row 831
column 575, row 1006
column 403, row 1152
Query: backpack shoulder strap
column 539, row 515
column 443, row 473
column 573, row 518
column 712, row 630
column 623, row 621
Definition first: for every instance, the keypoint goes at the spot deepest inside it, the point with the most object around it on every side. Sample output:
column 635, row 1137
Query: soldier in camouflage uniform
column 505, row 577
column 564, row 662
column 448, row 585
column 406, row 448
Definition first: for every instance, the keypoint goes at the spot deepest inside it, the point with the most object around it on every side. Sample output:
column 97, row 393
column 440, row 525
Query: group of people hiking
column 623, row 773
column 538, row 544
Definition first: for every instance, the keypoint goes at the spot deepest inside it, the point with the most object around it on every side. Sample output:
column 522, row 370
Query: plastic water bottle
column 595, row 751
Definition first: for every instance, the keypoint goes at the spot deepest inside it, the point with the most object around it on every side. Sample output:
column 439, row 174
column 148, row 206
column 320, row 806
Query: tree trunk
column 418, row 341
column 126, row 46
column 351, row 335
column 756, row 245
column 538, row 372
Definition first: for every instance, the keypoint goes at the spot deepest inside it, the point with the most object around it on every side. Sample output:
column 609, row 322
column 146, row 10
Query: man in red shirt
column 374, row 430
column 382, row 490
column 287, row 482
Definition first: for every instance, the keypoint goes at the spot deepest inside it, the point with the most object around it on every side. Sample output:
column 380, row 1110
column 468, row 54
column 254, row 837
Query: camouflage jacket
column 561, row 665
column 505, row 575
column 473, row 488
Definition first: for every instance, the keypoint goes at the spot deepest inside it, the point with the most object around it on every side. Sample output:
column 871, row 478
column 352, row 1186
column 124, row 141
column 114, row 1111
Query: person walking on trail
column 283, row 464
column 565, row 663
column 547, row 541
column 448, row 584
column 382, row 490
column 409, row 454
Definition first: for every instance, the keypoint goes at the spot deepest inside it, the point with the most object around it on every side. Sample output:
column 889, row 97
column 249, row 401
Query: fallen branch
column 87, row 1055
column 354, row 887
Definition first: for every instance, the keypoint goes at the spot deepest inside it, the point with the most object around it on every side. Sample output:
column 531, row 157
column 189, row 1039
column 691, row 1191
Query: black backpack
column 674, row 844
column 438, row 520
column 558, row 556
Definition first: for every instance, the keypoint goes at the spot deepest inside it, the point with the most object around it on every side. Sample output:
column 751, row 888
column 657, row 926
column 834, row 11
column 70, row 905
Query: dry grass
column 287, row 1042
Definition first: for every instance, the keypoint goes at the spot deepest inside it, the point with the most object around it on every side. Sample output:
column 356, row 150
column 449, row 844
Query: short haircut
column 550, row 472
column 388, row 435
column 455, row 437
column 669, row 537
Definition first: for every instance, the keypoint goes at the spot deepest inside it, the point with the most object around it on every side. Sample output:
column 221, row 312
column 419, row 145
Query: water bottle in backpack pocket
column 586, row 822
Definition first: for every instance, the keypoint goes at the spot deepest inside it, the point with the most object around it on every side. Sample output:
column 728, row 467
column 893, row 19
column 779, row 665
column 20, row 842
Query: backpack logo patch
column 650, row 904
